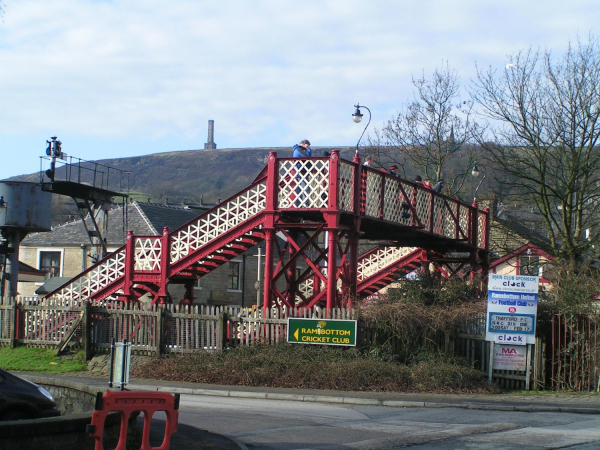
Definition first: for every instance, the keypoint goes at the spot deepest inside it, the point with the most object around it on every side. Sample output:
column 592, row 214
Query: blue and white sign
column 512, row 309
column 510, row 339
column 513, row 283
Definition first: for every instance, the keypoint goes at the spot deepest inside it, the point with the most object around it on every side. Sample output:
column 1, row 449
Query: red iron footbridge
column 312, row 213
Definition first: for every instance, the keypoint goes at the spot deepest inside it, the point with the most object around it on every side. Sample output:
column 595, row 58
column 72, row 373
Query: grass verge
column 27, row 359
column 315, row 367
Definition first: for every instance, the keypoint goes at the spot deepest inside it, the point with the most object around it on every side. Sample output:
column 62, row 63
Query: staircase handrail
column 62, row 291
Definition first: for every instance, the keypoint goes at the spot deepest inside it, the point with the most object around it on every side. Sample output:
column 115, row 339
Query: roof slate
column 144, row 219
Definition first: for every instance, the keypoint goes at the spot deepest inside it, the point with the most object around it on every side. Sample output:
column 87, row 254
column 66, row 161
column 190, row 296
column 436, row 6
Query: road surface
column 272, row 424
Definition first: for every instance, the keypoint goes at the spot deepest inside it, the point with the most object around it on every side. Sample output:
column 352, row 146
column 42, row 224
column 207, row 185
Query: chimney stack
column 210, row 145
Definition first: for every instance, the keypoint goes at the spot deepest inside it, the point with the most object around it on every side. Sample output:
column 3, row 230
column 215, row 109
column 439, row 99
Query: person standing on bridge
column 394, row 170
column 302, row 150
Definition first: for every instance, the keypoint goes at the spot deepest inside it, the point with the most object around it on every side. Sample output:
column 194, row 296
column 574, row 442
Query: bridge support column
column 269, row 241
column 129, row 266
column 332, row 268
column 353, row 267
column 165, row 265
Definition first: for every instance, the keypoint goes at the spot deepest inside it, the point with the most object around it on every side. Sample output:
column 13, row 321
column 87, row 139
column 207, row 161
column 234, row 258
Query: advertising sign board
column 322, row 331
column 512, row 308
column 510, row 357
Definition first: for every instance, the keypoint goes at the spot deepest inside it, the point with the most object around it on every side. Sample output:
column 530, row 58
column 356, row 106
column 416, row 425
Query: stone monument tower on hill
column 210, row 145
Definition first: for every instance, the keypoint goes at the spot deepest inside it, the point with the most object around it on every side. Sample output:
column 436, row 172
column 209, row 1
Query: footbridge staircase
column 314, row 213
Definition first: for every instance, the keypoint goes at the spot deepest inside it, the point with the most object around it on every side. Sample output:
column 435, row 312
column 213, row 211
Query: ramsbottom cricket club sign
column 322, row 331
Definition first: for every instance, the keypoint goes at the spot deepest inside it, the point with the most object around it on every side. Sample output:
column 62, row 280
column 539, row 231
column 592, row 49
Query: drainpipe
column 243, row 278
column 83, row 257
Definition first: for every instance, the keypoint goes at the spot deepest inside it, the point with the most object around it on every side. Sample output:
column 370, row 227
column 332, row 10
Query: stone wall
column 68, row 432
column 71, row 397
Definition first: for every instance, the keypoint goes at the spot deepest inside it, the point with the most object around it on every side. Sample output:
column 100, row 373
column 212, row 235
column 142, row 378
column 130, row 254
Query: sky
column 118, row 78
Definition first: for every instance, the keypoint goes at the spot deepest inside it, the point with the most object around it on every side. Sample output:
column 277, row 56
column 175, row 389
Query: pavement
column 191, row 438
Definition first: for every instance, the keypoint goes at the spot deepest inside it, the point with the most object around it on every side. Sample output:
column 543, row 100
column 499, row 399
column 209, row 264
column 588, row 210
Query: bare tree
column 546, row 141
column 430, row 130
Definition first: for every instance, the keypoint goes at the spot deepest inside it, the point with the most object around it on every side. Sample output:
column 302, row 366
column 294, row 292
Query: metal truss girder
column 146, row 277
column 351, row 200
column 214, row 257
column 107, row 291
column 381, row 278
column 216, row 244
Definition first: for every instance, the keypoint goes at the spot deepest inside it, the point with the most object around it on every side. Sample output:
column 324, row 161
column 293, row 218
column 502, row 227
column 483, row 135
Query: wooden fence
column 157, row 330
column 173, row 329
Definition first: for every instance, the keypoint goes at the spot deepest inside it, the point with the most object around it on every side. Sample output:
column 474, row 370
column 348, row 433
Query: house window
column 198, row 284
column 234, row 279
column 530, row 265
column 50, row 262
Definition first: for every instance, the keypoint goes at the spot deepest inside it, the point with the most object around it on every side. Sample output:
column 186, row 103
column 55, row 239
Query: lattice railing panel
column 346, row 186
column 423, row 207
column 303, row 183
column 450, row 223
column 93, row 280
column 481, row 227
column 463, row 220
column 210, row 226
column 439, row 214
column 393, row 200
column 441, row 220
column 306, row 288
column 372, row 263
column 147, row 253
column 373, row 200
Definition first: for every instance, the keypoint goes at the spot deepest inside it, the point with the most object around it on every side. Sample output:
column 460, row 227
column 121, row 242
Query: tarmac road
column 280, row 424
column 213, row 416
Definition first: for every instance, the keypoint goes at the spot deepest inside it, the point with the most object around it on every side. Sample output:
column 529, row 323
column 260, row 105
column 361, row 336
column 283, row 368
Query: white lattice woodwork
column 147, row 253
column 481, row 226
column 379, row 260
column 96, row 279
column 303, row 183
column 300, row 184
column 306, row 288
column 373, row 200
column 237, row 210
column 463, row 220
column 346, row 186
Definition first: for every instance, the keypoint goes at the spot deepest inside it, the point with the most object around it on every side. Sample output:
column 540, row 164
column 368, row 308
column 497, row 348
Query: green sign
column 322, row 331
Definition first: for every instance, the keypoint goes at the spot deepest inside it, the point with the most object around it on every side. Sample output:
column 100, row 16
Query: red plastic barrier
column 126, row 403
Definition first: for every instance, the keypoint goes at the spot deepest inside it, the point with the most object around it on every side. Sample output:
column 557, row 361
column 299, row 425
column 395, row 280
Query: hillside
column 195, row 174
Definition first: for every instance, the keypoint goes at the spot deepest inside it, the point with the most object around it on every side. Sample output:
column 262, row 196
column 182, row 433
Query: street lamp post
column 357, row 117
column 476, row 172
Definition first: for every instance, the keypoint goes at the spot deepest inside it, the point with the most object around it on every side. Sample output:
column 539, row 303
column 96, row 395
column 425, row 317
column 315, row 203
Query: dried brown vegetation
column 315, row 367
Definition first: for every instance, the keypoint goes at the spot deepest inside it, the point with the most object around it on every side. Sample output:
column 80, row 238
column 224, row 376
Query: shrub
column 313, row 367
column 421, row 314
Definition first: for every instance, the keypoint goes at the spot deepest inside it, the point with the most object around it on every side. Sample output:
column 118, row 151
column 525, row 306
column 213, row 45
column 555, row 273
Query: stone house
column 517, row 246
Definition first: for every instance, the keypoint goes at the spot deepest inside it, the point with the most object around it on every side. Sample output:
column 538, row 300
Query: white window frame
column 54, row 250
column 241, row 275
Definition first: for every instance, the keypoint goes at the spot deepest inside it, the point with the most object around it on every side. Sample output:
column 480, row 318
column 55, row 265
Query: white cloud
column 268, row 72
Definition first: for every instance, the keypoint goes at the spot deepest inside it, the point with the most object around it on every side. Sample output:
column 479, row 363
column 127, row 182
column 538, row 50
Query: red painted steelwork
column 323, row 207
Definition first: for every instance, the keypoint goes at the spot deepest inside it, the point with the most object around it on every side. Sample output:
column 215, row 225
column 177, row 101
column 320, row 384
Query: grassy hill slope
column 195, row 174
